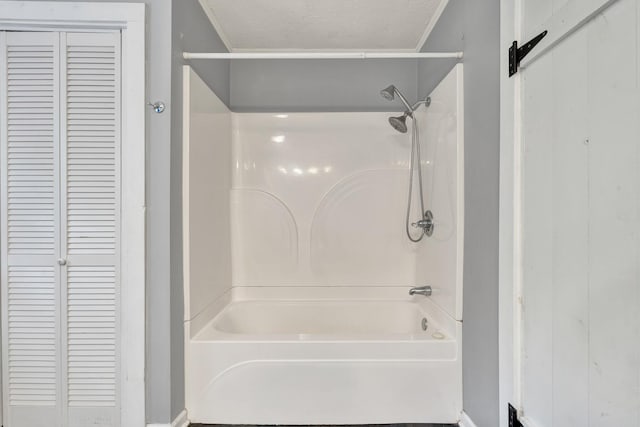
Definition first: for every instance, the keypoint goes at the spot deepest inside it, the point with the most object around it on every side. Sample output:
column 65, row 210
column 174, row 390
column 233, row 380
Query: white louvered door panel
column 60, row 224
column 30, row 214
column 30, row 235
column 91, row 209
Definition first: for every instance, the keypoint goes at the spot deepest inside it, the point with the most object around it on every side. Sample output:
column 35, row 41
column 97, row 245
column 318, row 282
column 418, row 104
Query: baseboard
column 465, row 421
column 180, row 421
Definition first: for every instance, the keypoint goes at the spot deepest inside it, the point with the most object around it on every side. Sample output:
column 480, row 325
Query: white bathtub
column 324, row 361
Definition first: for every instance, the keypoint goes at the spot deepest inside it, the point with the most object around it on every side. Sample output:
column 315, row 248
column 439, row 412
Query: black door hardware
column 517, row 54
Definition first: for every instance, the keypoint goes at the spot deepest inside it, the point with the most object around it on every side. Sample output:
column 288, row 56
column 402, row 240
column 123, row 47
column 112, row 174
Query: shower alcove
column 297, row 265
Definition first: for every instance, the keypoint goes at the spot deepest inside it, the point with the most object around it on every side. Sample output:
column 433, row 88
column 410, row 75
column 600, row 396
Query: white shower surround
column 317, row 223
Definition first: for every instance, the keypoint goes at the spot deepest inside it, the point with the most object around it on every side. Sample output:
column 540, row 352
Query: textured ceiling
column 277, row 25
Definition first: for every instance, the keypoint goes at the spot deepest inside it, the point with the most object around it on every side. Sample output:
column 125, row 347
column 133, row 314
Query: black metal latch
column 517, row 54
column 513, row 417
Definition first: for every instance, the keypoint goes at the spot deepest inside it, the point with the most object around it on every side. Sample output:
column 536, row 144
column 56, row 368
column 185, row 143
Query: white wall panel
column 319, row 199
column 265, row 239
column 439, row 257
column 206, row 192
column 333, row 182
column 347, row 249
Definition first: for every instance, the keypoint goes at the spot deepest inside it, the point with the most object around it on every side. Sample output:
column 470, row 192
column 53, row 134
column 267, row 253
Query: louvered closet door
column 60, row 214
column 90, row 227
column 30, row 232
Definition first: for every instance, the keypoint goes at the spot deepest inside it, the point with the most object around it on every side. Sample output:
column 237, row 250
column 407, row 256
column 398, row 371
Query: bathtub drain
column 425, row 323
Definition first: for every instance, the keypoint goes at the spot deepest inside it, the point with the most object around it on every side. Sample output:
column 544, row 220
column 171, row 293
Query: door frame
column 129, row 19
column 509, row 264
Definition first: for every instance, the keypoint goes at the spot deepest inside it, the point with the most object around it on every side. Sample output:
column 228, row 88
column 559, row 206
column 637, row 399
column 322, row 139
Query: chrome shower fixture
column 425, row 224
column 390, row 92
column 399, row 123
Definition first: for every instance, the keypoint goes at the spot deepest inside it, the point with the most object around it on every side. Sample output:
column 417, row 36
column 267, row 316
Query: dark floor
column 364, row 425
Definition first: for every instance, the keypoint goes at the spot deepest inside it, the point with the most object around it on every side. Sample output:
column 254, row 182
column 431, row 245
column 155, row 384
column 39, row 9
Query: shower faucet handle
column 426, row 223
column 423, row 223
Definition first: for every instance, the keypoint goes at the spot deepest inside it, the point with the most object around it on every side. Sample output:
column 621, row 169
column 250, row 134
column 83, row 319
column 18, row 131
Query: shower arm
column 426, row 102
column 412, row 108
column 404, row 101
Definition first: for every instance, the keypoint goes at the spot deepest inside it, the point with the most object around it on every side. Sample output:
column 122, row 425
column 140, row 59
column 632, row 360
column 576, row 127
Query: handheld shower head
column 389, row 93
column 399, row 123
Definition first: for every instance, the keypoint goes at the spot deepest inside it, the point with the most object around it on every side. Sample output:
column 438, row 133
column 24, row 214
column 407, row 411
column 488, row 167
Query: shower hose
column 415, row 157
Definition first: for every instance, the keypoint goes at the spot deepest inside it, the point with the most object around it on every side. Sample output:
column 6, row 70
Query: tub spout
column 421, row 290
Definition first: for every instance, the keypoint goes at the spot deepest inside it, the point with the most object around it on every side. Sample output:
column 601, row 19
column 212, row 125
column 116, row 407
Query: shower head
column 389, row 93
column 399, row 123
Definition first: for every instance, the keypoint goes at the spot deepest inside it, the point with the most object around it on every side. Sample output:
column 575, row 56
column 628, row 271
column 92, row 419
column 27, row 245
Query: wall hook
column 158, row 106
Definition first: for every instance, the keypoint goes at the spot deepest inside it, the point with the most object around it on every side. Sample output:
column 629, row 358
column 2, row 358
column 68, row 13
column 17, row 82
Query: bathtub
column 267, row 360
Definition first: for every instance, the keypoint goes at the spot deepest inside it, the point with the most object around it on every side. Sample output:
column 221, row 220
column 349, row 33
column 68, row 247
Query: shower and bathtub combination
column 323, row 262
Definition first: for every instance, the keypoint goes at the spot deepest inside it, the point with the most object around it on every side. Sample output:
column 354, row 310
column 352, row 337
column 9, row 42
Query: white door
column 570, row 189
column 60, row 218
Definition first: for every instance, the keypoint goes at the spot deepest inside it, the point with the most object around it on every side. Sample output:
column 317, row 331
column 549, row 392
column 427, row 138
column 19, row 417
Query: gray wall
column 319, row 84
column 474, row 26
column 447, row 36
column 192, row 32
column 158, row 249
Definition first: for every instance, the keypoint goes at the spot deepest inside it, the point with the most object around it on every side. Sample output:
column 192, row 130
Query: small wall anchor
column 158, row 106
